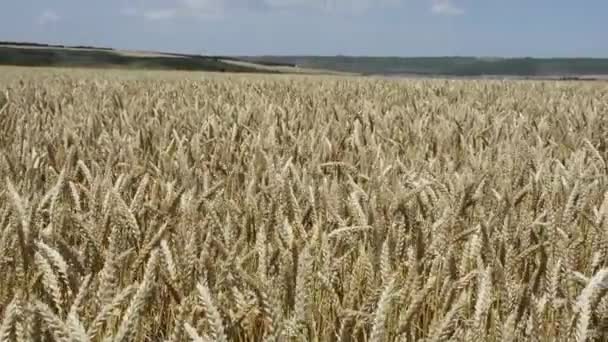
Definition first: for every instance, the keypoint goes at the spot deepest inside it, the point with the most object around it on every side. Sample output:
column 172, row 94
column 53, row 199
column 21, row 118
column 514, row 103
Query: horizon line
column 85, row 46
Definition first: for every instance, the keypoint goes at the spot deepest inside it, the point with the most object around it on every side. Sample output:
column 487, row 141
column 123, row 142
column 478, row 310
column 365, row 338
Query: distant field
column 285, row 68
column 9, row 73
column 59, row 56
column 140, row 205
column 450, row 66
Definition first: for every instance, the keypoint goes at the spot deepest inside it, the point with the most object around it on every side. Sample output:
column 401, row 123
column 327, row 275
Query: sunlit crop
column 294, row 208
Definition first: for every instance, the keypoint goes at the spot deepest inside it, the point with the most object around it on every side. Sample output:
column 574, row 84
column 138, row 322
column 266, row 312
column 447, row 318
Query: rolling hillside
column 32, row 54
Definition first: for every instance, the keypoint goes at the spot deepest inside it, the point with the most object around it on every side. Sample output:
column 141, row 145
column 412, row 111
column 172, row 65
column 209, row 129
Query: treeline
column 57, row 46
column 455, row 66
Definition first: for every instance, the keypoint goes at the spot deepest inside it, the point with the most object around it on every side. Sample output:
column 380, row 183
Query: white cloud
column 48, row 17
column 180, row 8
column 331, row 6
column 201, row 5
column 160, row 14
column 445, row 7
column 129, row 12
column 165, row 9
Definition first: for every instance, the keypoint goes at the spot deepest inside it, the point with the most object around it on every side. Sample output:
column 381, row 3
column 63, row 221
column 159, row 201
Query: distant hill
column 35, row 54
column 567, row 68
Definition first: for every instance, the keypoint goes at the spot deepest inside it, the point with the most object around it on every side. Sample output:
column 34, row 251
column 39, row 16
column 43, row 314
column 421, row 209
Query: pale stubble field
column 161, row 206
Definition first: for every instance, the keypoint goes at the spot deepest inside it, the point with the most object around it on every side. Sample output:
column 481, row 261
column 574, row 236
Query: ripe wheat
column 275, row 208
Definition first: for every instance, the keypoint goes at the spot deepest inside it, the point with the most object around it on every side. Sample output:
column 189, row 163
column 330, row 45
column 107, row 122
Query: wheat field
column 174, row 207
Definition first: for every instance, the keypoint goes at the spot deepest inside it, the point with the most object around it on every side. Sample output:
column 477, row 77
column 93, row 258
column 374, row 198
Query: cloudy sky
column 320, row 27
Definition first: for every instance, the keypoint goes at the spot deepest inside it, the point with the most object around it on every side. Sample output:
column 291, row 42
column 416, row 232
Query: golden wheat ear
column 12, row 314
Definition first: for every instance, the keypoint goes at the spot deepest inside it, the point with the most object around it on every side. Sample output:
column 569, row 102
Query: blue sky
column 538, row 28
